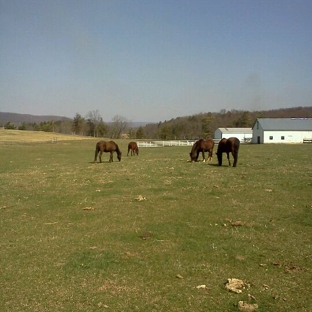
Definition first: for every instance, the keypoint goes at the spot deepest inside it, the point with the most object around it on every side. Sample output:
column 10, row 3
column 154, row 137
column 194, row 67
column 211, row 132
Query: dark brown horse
column 107, row 147
column 202, row 146
column 230, row 145
column 133, row 147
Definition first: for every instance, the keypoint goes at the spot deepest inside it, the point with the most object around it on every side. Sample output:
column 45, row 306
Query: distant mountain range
column 18, row 119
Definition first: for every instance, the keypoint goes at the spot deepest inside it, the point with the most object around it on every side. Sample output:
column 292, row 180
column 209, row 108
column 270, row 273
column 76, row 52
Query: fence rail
column 179, row 142
column 307, row 140
column 165, row 143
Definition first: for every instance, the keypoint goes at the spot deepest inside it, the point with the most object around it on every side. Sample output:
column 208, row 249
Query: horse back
column 104, row 146
column 209, row 144
column 100, row 146
column 233, row 144
column 111, row 146
column 132, row 145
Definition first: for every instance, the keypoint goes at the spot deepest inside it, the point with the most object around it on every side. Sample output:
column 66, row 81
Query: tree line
column 204, row 125
column 197, row 126
column 90, row 125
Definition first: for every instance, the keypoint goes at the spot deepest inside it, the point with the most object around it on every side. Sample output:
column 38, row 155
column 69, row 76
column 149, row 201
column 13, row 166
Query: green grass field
column 143, row 233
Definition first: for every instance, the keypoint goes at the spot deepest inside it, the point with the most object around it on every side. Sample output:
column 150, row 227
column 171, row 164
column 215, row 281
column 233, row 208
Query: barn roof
column 235, row 130
column 285, row 124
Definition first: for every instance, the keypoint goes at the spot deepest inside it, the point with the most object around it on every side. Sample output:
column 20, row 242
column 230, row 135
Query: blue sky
column 153, row 60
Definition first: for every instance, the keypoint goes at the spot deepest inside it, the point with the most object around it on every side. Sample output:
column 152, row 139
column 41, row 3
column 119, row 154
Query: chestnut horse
column 133, row 147
column 107, row 147
column 202, row 146
column 230, row 145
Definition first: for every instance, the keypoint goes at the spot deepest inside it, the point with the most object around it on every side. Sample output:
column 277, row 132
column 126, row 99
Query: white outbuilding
column 243, row 134
column 282, row 130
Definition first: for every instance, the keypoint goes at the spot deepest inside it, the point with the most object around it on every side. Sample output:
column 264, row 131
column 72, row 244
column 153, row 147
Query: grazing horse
column 107, row 147
column 202, row 146
column 230, row 145
column 133, row 147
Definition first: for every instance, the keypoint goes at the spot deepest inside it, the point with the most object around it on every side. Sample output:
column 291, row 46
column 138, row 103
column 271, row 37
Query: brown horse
column 133, row 147
column 230, row 145
column 202, row 146
column 107, row 147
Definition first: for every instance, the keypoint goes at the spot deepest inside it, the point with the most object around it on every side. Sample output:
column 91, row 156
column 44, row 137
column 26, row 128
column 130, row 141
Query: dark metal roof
column 285, row 124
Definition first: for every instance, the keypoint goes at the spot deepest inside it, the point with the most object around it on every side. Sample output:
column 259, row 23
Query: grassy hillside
column 23, row 136
column 154, row 232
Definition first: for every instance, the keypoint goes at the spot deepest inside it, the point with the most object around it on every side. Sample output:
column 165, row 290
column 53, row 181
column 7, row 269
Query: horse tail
column 236, row 145
column 235, row 152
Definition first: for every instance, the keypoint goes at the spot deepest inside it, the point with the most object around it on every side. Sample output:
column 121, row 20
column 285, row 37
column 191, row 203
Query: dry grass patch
column 23, row 136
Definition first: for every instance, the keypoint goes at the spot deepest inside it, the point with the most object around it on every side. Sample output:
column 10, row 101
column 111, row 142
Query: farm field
column 154, row 232
column 22, row 136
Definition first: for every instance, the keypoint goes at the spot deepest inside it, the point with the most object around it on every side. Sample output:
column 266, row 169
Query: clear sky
column 153, row 60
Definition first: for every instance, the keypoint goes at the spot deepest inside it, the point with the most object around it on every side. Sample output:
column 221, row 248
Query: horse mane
column 118, row 151
column 194, row 147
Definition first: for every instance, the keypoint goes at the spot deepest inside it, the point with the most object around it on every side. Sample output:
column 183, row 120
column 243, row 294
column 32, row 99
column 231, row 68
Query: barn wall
column 295, row 135
column 283, row 136
column 218, row 134
column 241, row 136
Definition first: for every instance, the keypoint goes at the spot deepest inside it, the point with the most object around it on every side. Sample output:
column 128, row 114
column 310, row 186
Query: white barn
column 282, row 130
column 243, row 134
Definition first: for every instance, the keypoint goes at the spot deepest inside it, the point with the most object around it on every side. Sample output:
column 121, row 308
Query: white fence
column 177, row 143
column 164, row 143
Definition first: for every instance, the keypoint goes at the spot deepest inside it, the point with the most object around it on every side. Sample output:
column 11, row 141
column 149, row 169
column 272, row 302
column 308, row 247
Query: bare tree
column 95, row 122
column 118, row 126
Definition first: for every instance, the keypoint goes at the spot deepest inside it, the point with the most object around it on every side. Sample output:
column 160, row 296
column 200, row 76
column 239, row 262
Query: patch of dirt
column 235, row 285
column 140, row 198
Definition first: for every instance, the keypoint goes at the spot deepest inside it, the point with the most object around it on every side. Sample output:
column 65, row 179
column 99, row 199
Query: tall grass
column 143, row 233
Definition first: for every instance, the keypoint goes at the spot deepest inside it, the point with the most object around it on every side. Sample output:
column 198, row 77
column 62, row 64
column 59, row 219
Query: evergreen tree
column 140, row 133
column 78, row 124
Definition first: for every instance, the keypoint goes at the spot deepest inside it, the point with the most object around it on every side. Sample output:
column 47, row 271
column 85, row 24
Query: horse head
column 119, row 156
column 219, row 155
column 193, row 156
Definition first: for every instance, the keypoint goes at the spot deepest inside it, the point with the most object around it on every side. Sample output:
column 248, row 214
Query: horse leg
column 203, row 153
column 235, row 156
column 197, row 155
column 210, row 155
column 111, row 157
column 95, row 155
column 228, row 157
column 100, row 156
column 128, row 151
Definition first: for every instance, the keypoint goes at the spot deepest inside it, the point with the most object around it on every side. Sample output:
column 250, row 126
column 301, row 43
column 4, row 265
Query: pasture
column 154, row 232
